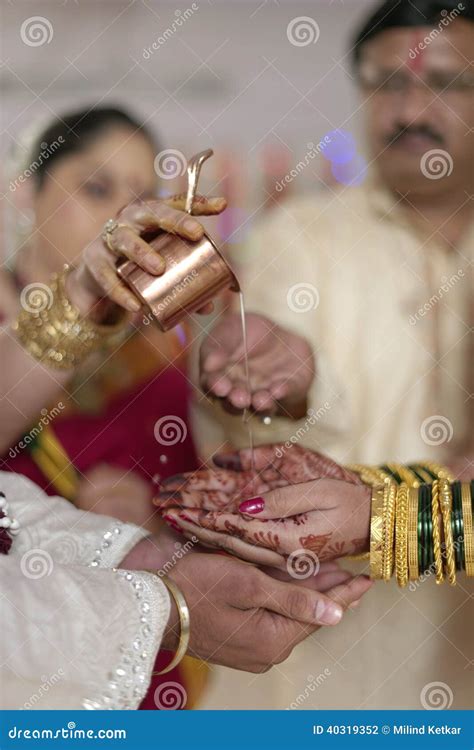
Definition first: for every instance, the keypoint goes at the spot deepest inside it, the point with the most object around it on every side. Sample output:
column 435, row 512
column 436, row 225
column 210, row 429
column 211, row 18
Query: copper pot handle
column 194, row 170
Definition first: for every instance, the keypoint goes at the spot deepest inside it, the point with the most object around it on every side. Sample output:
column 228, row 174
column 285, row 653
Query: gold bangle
column 370, row 475
column 446, row 503
column 440, row 471
column 401, row 535
column 57, row 334
column 468, row 528
column 406, row 474
column 184, row 620
column 413, row 571
column 390, row 494
column 376, row 532
column 435, row 513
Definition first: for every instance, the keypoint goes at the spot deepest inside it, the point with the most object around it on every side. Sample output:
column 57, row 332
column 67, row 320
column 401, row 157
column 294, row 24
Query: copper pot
column 195, row 271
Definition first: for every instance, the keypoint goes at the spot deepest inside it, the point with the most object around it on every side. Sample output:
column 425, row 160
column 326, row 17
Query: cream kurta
column 75, row 634
column 388, row 313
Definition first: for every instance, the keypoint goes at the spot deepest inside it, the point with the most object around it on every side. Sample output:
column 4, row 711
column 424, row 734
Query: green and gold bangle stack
column 421, row 522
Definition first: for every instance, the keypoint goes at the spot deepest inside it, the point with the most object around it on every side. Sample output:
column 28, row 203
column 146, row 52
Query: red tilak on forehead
column 416, row 60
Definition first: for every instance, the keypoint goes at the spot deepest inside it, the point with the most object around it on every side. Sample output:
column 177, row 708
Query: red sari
column 120, row 432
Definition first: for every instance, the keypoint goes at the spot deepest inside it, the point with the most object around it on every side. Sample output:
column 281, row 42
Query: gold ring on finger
column 111, row 226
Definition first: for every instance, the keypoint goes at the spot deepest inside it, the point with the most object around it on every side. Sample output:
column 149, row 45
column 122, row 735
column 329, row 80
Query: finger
column 217, row 383
column 148, row 216
column 209, row 480
column 299, row 603
column 282, row 502
column 239, row 395
column 263, row 400
column 126, row 242
column 232, row 545
column 104, row 273
column 202, row 205
column 209, row 501
column 350, row 592
column 260, row 533
column 279, row 389
column 207, row 309
column 327, row 580
column 317, row 494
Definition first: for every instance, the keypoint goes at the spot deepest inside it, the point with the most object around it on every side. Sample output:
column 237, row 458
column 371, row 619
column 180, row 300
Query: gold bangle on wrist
column 184, row 620
column 468, row 528
column 435, row 513
column 401, row 535
column 58, row 334
column 413, row 569
column 446, row 503
column 376, row 532
column 390, row 493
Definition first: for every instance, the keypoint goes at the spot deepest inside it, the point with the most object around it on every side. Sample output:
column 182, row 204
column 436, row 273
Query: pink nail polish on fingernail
column 254, row 505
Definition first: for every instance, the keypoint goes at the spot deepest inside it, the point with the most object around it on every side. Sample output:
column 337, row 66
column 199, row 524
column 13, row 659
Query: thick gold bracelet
column 405, row 474
column 435, row 513
column 441, row 472
column 446, row 503
column 468, row 528
column 401, row 535
column 184, row 619
column 390, row 495
column 57, row 333
column 413, row 568
column 376, row 532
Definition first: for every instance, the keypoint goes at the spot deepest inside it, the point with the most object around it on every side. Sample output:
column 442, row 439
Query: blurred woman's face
column 83, row 190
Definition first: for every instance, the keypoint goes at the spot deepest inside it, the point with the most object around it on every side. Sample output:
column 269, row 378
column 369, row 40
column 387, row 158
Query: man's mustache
column 423, row 130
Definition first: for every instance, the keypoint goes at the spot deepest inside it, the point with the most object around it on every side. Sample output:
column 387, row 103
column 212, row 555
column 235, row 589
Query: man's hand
column 243, row 618
column 281, row 366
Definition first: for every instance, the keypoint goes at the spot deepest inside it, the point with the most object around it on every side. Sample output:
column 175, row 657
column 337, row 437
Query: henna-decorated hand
column 299, row 500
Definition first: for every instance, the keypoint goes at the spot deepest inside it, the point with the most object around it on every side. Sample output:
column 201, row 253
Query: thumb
column 317, row 494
